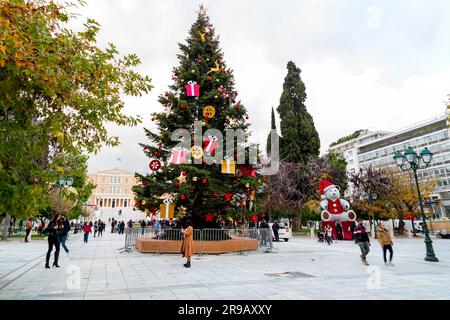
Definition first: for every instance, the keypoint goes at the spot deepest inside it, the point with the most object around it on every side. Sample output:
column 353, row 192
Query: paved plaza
column 299, row 269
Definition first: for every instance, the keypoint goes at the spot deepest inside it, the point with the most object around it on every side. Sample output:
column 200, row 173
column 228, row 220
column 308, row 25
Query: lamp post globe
column 426, row 156
column 399, row 159
column 410, row 155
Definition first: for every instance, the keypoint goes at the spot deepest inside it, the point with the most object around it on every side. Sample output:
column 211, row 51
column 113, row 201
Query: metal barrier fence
column 204, row 237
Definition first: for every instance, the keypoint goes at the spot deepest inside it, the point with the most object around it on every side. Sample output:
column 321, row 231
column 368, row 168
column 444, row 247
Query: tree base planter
column 173, row 246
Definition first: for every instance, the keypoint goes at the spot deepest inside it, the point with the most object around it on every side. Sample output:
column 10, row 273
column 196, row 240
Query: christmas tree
column 189, row 176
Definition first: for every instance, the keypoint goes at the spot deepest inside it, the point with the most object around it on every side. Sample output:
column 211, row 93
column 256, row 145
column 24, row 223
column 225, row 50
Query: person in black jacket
column 63, row 230
column 275, row 228
column 52, row 233
column 362, row 240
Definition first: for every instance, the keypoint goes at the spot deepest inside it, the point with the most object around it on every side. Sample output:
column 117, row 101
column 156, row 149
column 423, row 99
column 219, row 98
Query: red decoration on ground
column 154, row 165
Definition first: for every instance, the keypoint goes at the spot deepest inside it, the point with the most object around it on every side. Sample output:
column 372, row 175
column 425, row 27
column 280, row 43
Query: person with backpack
column 143, row 225
column 95, row 228
column 63, row 232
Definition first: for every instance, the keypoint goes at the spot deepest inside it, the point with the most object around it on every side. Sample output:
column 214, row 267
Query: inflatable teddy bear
column 334, row 208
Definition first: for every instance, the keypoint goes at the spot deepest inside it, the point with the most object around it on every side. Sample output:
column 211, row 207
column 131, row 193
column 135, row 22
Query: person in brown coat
column 384, row 238
column 187, row 248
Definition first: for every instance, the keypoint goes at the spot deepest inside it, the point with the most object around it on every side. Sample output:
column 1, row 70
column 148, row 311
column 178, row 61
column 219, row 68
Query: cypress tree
column 272, row 127
column 300, row 139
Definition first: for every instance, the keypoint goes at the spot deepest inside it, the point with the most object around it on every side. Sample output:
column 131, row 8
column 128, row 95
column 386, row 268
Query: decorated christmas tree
column 198, row 169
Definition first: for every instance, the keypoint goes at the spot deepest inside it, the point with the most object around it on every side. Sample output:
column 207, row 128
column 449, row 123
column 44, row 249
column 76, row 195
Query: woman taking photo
column 187, row 248
column 52, row 232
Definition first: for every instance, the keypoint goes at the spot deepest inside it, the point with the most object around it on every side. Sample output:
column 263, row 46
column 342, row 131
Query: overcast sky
column 377, row 65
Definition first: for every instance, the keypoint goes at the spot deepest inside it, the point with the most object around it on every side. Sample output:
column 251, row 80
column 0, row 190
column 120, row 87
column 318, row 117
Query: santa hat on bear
column 324, row 185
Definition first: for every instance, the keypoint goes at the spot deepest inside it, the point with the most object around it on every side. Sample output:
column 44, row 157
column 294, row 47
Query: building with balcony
column 432, row 134
column 113, row 189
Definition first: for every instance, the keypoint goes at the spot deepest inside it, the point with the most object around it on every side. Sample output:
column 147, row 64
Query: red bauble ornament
column 166, row 94
column 233, row 101
column 184, row 173
column 156, row 153
column 177, row 184
column 137, row 204
column 204, row 180
column 154, row 165
column 238, row 107
column 254, row 218
column 145, row 147
column 182, row 197
column 263, row 214
column 208, row 78
column 183, row 106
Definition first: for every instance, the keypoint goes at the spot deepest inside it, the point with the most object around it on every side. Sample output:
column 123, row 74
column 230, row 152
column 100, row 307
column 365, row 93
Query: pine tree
column 273, row 126
column 207, row 196
column 300, row 139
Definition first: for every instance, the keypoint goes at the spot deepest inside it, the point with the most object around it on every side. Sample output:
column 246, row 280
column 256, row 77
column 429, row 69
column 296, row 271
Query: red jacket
column 87, row 228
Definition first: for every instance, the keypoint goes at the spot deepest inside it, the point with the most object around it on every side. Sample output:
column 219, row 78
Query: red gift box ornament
column 210, row 144
column 192, row 89
column 247, row 171
column 178, row 155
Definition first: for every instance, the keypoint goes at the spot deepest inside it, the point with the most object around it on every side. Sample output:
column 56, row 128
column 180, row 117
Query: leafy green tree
column 57, row 92
column 299, row 140
column 204, row 196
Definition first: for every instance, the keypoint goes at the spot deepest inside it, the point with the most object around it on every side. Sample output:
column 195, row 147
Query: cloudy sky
column 378, row 65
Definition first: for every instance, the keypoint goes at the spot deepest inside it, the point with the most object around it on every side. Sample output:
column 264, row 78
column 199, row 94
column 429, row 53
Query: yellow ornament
column 247, row 185
column 197, row 152
column 216, row 97
column 209, row 112
column 182, row 177
column 192, row 71
column 202, row 35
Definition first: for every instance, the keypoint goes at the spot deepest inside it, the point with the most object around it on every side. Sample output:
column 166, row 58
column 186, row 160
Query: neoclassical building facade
column 113, row 189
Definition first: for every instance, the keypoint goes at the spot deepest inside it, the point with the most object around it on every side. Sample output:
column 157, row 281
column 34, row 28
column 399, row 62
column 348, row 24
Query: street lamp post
column 410, row 160
column 61, row 183
column 372, row 198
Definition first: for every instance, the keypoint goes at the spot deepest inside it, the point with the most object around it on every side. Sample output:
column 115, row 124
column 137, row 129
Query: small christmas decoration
column 210, row 144
column 183, row 106
column 204, row 180
column 183, row 197
column 209, row 217
column 238, row 107
column 254, row 218
column 154, row 165
column 263, row 214
column 216, row 69
column 228, row 165
column 194, row 179
column 167, row 209
column 209, row 112
column 197, row 152
column 228, row 196
column 178, row 155
column 192, row 89
column 247, row 171
column 202, row 36
column 166, row 94
column 182, row 177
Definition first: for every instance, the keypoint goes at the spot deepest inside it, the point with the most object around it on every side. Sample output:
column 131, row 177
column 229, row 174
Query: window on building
column 439, row 183
column 351, row 162
column 436, row 171
column 103, row 180
column 350, row 152
column 126, row 180
column 444, row 182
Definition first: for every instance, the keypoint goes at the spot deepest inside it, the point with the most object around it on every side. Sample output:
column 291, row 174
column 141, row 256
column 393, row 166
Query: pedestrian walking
column 121, row 227
column 95, row 228
column 362, row 240
column 329, row 234
column 275, row 228
column 101, row 227
column 87, row 229
column 386, row 243
column 63, row 231
column 51, row 233
column 187, row 248
column 28, row 228
column 113, row 224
